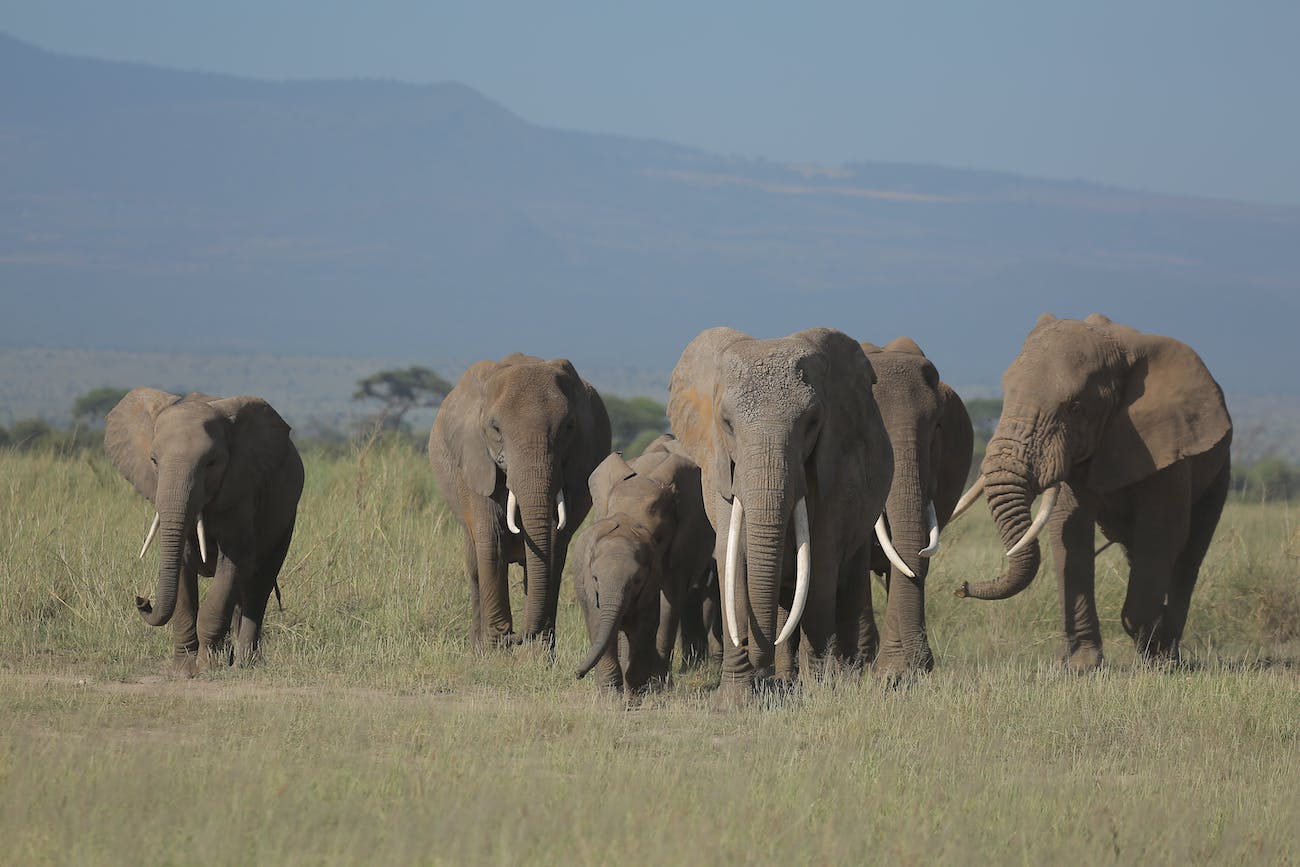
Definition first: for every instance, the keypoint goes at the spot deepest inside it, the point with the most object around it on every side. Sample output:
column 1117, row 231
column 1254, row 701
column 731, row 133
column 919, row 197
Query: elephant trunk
column 907, row 510
column 767, row 513
column 611, row 614
column 177, row 513
column 1009, row 495
column 538, row 512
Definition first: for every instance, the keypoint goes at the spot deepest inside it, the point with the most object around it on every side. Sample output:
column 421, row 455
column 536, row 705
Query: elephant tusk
column 203, row 540
column 1044, row 512
column 153, row 531
column 729, row 583
column 803, row 569
column 890, row 551
column 933, row 520
column 512, row 505
column 559, row 507
column 968, row 499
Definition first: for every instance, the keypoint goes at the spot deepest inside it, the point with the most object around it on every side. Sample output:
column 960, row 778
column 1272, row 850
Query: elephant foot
column 1160, row 650
column 217, row 654
column 732, row 694
column 185, row 662
column 1083, row 659
column 901, row 667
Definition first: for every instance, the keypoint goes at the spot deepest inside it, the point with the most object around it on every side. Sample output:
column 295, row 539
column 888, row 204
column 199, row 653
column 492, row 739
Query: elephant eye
column 153, row 460
column 1076, row 407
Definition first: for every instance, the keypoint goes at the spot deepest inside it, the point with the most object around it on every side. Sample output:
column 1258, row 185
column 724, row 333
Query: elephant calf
column 225, row 479
column 650, row 546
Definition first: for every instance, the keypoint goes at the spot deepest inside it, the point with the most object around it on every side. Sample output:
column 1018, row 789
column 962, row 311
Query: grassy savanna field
column 370, row 733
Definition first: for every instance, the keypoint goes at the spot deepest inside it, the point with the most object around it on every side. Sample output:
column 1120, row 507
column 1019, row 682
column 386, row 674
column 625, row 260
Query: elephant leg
column 475, row 607
column 786, row 657
column 215, row 614
column 1160, row 528
column 711, row 615
column 496, row 626
column 849, row 602
column 1071, row 532
column 690, row 618
column 254, row 595
column 644, row 668
column 1204, row 521
column 665, row 636
column 818, row 621
column 185, row 641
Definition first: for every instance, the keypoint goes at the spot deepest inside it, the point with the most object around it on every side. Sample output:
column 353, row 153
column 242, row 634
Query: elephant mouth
column 803, row 568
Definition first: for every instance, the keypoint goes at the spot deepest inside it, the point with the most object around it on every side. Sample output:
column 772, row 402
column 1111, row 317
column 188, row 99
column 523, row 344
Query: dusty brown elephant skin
column 796, row 465
column 527, row 431
column 1123, row 430
column 933, row 442
column 633, row 567
column 225, row 480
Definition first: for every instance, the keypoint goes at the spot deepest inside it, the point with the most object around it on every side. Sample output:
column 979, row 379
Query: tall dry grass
column 371, row 733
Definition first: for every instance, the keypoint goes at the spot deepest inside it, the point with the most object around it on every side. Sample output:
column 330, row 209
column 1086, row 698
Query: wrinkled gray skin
column 1135, row 428
column 633, row 567
column 773, row 421
column 933, row 441
column 536, row 428
column 231, row 460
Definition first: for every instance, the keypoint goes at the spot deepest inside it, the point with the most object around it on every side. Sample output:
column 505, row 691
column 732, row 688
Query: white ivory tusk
column 803, row 569
column 512, row 505
column 559, row 507
column 890, row 552
column 968, row 499
column 203, row 539
column 729, row 583
column 1044, row 512
column 933, row 548
column 153, row 531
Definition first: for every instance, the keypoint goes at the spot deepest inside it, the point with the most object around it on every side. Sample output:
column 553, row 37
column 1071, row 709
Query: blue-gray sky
column 1192, row 98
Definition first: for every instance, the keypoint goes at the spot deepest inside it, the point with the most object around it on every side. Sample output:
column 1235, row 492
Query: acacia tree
column 401, row 391
column 90, row 408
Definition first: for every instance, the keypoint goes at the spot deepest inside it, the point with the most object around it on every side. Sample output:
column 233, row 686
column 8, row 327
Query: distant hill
column 149, row 209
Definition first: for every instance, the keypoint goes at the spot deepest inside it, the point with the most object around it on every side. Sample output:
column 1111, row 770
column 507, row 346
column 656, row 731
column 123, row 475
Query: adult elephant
column 795, row 461
column 225, row 480
column 512, row 447
column 649, row 544
column 933, row 441
column 1117, row 428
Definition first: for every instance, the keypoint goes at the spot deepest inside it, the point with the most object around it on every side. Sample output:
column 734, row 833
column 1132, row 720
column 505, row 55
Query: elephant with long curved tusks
column 225, row 480
column 635, row 565
column 933, row 442
column 796, row 465
column 1120, row 430
column 512, row 447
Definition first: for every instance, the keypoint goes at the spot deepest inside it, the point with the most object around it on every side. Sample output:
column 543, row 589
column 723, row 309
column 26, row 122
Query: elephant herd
column 796, row 467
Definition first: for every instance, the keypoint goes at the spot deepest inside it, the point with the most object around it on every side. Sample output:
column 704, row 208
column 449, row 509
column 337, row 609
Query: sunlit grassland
column 371, row 733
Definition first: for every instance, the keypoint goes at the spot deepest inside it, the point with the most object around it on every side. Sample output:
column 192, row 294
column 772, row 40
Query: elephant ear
column 602, row 480
column 955, row 444
column 1170, row 408
column 128, row 436
column 693, row 404
column 459, row 423
column 259, row 441
column 853, row 458
column 592, row 441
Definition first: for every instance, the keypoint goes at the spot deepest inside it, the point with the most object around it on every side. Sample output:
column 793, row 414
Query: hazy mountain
column 149, row 209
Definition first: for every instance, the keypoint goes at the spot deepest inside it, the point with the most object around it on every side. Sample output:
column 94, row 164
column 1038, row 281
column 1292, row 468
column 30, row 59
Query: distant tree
column 632, row 419
column 1269, row 478
column 91, row 407
column 30, row 433
column 5, row 439
column 984, row 415
column 401, row 391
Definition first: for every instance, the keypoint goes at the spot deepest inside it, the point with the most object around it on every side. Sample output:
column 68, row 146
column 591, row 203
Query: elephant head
column 786, row 435
column 932, row 439
column 628, row 549
column 189, row 457
column 1100, row 404
column 532, row 430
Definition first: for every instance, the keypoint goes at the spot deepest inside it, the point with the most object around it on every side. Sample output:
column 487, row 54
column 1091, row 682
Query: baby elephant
column 225, row 480
column 650, row 546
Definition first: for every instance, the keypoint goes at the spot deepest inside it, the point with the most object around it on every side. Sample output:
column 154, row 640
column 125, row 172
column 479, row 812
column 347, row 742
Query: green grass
column 371, row 734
